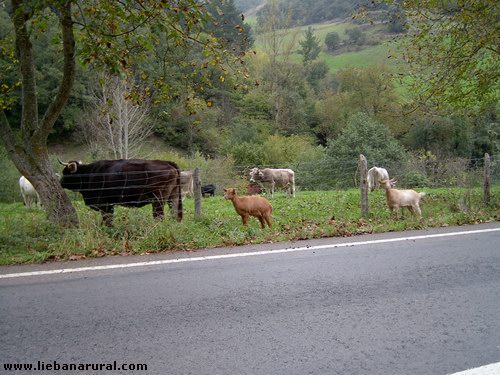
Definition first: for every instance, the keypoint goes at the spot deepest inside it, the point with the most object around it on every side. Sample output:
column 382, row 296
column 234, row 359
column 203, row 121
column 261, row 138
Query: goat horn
column 61, row 162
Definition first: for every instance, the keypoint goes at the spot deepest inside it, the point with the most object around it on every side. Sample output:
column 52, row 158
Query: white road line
column 224, row 256
column 493, row 369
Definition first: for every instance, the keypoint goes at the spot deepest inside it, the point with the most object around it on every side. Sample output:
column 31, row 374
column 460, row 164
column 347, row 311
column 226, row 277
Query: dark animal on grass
column 246, row 206
column 130, row 183
column 208, row 190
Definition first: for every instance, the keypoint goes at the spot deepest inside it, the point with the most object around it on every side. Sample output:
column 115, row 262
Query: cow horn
column 61, row 162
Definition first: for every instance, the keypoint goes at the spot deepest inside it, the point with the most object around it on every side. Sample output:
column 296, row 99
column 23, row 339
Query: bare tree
column 278, row 40
column 116, row 124
column 277, row 37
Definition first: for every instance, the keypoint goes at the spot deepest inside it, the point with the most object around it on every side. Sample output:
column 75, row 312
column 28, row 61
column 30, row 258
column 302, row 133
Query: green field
column 26, row 237
column 375, row 55
column 367, row 55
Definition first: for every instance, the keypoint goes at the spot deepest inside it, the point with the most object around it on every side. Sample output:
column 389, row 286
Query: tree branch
column 69, row 72
column 24, row 50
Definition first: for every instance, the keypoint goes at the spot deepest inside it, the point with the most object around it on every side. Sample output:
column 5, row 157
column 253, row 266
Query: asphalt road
column 366, row 305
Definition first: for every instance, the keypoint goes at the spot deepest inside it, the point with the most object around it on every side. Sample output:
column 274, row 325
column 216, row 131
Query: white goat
column 401, row 198
column 30, row 196
column 375, row 176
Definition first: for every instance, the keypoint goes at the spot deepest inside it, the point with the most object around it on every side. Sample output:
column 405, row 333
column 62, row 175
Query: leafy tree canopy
column 113, row 36
column 228, row 25
column 453, row 50
column 364, row 135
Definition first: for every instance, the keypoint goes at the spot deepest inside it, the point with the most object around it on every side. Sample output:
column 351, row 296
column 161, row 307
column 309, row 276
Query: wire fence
column 324, row 175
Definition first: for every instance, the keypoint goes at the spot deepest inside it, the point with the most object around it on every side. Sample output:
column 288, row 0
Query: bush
column 363, row 135
column 356, row 36
column 9, row 188
column 415, row 180
column 332, row 41
column 426, row 168
column 246, row 154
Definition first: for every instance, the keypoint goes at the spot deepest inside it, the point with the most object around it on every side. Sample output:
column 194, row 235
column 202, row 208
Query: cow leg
column 395, row 212
column 267, row 218
column 158, row 213
column 262, row 222
column 175, row 205
column 244, row 219
column 107, row 215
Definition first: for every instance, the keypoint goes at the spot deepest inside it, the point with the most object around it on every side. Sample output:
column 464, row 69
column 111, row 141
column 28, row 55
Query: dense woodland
column 274, row 101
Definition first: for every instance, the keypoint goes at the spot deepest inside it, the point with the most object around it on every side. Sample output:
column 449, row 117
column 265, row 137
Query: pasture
column 375, row 52
column 27, row 237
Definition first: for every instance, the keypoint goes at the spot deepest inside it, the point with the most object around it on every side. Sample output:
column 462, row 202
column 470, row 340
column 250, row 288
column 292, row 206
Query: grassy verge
column 27, row 237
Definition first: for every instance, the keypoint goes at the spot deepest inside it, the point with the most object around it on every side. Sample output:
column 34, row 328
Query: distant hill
column 377, row 49
column 252, row 13
column 308, row 12
column 248, row 6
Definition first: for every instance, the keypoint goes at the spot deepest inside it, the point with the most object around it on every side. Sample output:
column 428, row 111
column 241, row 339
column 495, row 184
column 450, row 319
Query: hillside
column 306, row 12
column 379, row 45
column 248, row 6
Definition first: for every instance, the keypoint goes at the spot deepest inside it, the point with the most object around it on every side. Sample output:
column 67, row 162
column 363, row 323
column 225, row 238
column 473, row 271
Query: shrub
column 415, row 180
column 246, row 154
column 363, row 135
column 356, row 36
column 332, row 41
column 9, row 188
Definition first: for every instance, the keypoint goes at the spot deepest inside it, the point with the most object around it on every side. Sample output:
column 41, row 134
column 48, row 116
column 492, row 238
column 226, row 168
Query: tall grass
column 27, row 237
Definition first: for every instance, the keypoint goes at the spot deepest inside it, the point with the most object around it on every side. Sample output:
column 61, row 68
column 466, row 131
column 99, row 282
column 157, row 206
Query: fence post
column 197, row 192
column 363, row 185
column 487, row 176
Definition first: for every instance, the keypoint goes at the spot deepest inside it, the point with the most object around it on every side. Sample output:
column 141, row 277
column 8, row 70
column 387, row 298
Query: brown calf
column 246, row 206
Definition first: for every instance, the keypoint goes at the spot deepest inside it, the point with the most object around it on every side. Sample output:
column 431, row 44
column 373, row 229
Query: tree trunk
column 54, row 199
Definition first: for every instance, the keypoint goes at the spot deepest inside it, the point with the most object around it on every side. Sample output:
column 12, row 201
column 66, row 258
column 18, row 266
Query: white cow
column 187, row 186
column 30, row 196
column 375, row 176
column 270, row 178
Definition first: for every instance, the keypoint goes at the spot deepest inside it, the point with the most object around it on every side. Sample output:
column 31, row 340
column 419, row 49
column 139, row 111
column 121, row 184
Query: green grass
column 374, row 55
column 27, row 237
column 384, row 53
column 321, row 30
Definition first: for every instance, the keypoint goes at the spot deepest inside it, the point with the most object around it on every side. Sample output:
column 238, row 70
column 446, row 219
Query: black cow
column 208, row 190
column 130, row 183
